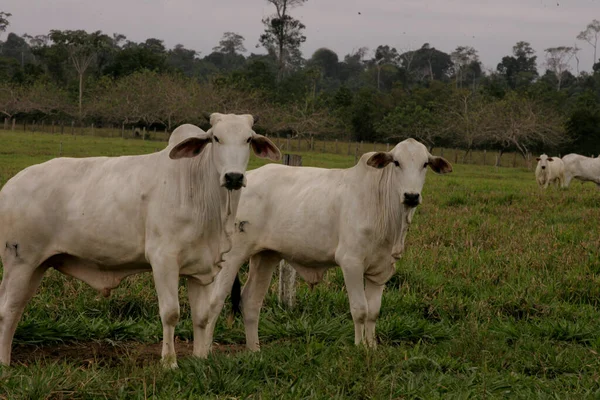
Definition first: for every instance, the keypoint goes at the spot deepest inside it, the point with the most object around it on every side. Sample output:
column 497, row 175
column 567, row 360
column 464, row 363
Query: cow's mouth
column 234, row 181
column 412, row 199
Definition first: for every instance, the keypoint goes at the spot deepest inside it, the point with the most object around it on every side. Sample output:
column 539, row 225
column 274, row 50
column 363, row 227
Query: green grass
column 497, row 296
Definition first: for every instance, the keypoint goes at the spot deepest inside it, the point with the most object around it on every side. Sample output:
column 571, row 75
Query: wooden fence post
column 312, row 142
column 484, row 155
column 287, row 274
column 336, row 146
column 14, row 122
column 53, row 127
column 287, row 143
column 123, row 130
column 93, row 129
column 5, row 123
column 387, row 147
column 72, row 127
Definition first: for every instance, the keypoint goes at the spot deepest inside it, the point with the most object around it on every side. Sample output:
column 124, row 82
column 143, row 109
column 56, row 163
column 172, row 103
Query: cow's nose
column 234, row 180
column 411, row 199
column 543, row 167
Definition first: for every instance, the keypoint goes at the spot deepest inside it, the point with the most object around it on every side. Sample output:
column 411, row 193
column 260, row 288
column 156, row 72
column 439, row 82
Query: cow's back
column 581, row 167
column 68, row 203
column 294, row 210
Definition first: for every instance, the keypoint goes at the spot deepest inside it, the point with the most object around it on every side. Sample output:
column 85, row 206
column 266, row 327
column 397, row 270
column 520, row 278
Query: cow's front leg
column 355, row 285
column 373, row 292
column 262, row 266
column 166, row 281
column 199, row 296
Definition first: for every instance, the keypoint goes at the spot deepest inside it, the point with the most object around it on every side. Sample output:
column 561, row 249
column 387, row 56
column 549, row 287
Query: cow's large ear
column 538, row 159
column 550, row 159
column 264, row 148
column 380, row 159
column 190, row 147
column 439, row 165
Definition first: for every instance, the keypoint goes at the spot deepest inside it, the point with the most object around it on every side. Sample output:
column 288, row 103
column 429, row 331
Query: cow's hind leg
column 18, row 285
column 373, row 292
column 260, row 273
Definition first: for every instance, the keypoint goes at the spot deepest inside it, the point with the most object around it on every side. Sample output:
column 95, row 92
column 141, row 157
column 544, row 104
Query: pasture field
column 497, row 296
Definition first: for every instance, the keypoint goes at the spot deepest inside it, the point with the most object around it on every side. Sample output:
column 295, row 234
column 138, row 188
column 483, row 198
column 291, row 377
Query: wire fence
column 287, row 143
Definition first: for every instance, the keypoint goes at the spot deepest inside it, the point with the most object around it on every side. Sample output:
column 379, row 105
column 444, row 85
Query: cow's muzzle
column 412, row 199
column 543, row 167
column 234, row 181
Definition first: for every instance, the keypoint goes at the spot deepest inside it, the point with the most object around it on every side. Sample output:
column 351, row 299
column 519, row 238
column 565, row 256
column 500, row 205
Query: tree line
column 384, row 94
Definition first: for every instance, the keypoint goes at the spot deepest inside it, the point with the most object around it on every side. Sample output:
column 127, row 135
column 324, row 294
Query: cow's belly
column 308, row 253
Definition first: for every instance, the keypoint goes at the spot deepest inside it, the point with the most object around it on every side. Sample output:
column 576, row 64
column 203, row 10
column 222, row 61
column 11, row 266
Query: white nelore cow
column 550, row 170
column 101, row 219
column 586, row 169
column 318, row 218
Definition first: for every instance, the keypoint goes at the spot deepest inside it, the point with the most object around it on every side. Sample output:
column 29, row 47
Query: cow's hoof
column 169, row 363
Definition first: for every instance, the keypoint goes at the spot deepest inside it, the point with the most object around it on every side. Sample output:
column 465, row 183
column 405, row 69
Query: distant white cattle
column 318, row 218
column 101, row 219
column 550, row 170
column 586, row 169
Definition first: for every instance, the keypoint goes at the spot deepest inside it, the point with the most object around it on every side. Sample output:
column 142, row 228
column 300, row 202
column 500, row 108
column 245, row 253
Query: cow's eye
column 216, row 139
column 396, row 163
column 425, row 165
column 249, row 140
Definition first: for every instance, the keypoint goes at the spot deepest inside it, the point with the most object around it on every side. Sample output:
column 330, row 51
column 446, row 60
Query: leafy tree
column 412, row 120
column 591, row 35
column 231, row 43
column 583, row 124
column 520, row 69
column 283, row 34
column 134, row 58
column 352, row 67
column 82, row 48
column 4, row 22
column 17, row 48
column 327, row 61
column 426, row 63
column 384, row 55
column 182, row 59
column 557, row 61
column 467, row 66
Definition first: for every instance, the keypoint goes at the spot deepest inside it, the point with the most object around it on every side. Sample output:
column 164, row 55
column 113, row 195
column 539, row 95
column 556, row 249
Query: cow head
column 409, row 161
column 231, row 137
column 543, row 161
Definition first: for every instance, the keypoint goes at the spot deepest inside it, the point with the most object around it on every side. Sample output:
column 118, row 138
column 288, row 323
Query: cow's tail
column 236, row 296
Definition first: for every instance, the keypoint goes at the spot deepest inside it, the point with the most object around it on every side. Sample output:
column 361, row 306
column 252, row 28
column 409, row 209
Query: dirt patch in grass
column 107, row 354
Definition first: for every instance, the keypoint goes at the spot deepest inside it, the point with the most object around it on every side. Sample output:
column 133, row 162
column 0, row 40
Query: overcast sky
column 491, row 26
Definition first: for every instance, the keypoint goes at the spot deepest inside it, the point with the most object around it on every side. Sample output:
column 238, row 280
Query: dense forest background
column 526, row 104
